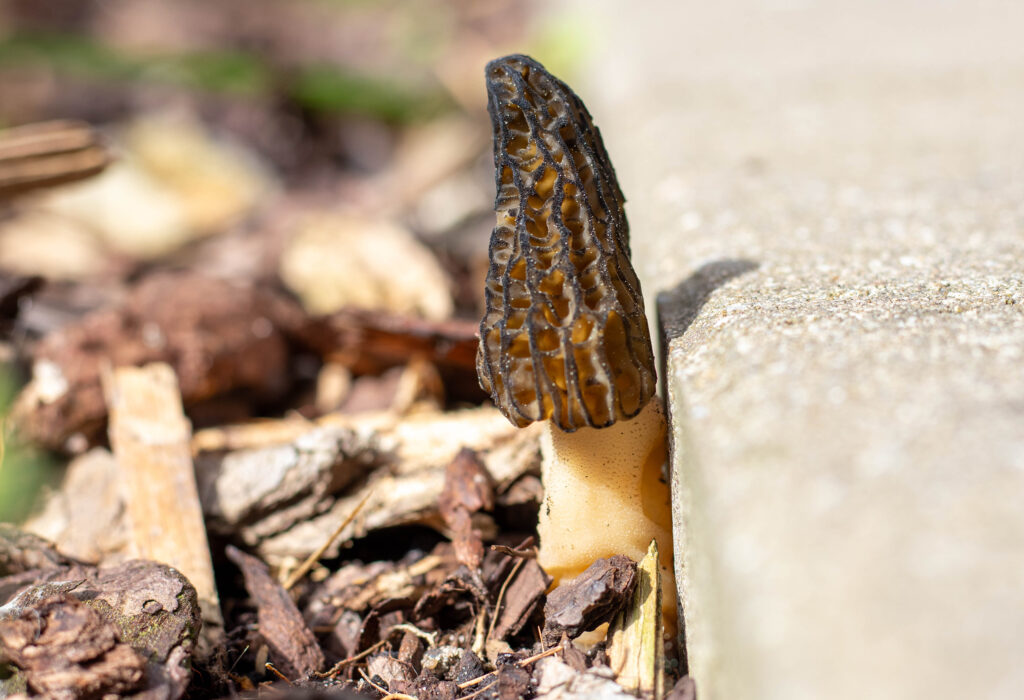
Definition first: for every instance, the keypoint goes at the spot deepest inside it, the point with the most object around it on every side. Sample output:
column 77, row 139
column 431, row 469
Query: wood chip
column 150, row 436
column 294, row 649
column 636, row 648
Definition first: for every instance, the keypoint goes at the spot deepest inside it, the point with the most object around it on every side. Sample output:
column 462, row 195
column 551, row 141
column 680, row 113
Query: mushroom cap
column 564, row 336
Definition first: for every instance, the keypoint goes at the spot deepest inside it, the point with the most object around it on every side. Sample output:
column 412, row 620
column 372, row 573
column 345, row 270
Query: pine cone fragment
column 564, row 336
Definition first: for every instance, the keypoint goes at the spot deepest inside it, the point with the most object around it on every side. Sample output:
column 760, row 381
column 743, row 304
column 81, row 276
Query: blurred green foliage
column 23, row 470
column 326, row 89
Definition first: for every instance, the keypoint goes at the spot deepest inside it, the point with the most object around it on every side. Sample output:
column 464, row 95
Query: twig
column 525, row 662
column 270, row 667
column 530, row 553
column 313, row 558
column 367, row 679
column 351, row 660
column 537, row 657
column 238, row 659
column 480, row 691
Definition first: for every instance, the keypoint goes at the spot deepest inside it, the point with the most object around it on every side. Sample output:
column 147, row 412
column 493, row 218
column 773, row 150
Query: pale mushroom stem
column 604, row 494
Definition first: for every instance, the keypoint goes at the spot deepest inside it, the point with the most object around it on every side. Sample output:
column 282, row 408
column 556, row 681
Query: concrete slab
column 830, row 199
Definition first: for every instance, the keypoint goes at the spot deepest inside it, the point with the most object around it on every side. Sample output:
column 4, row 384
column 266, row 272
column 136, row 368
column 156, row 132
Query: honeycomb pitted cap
column 564, row 336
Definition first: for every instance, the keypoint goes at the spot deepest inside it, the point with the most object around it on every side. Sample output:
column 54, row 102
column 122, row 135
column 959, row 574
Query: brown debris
column 512, row 682
column 259, row 492
column 557, row 680
column 216, row 336
column 414, row 451
column 468, row 488
column 66, row 651
column 294, row 649
column 21, row 552
column 14, row 288
column 523, row 595
column 125, row 630
column 389, row 669
column 590, row 599
column 369, row 342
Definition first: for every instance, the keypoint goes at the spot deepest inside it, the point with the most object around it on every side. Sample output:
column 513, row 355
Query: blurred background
column 338, row 149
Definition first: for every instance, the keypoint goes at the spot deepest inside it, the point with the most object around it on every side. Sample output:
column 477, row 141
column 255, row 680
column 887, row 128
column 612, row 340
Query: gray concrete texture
column 829, row 198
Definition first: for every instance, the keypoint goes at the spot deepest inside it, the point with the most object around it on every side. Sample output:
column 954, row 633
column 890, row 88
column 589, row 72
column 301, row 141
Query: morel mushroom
column 564, row 338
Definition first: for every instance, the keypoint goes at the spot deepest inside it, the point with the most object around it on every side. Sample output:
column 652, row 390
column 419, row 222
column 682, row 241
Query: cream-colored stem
column 604, row 494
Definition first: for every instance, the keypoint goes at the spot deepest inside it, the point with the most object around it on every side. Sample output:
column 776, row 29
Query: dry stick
column 501, row 594
column 525, row 662
column 367, row 679
column 480, row 691
column 270, row 667
column 529, row 553
column 150, row 437
column 313, row 558
column 352, row 659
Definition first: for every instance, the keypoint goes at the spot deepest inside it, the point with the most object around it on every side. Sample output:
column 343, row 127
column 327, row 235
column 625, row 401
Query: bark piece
column 294, row 649
column 590, row 599
column 336, row 260
column 427, row 686
column 217, row 336
column 410, row 650
column 148, row 608
column 264, row 491
column 521, row 599
column 369, row 342
column 405, row 489
column 150, row 436
column 65, row 650
column 468, row 488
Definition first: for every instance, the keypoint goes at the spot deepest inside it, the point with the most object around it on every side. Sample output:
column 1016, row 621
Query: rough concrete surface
column 829, row 198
